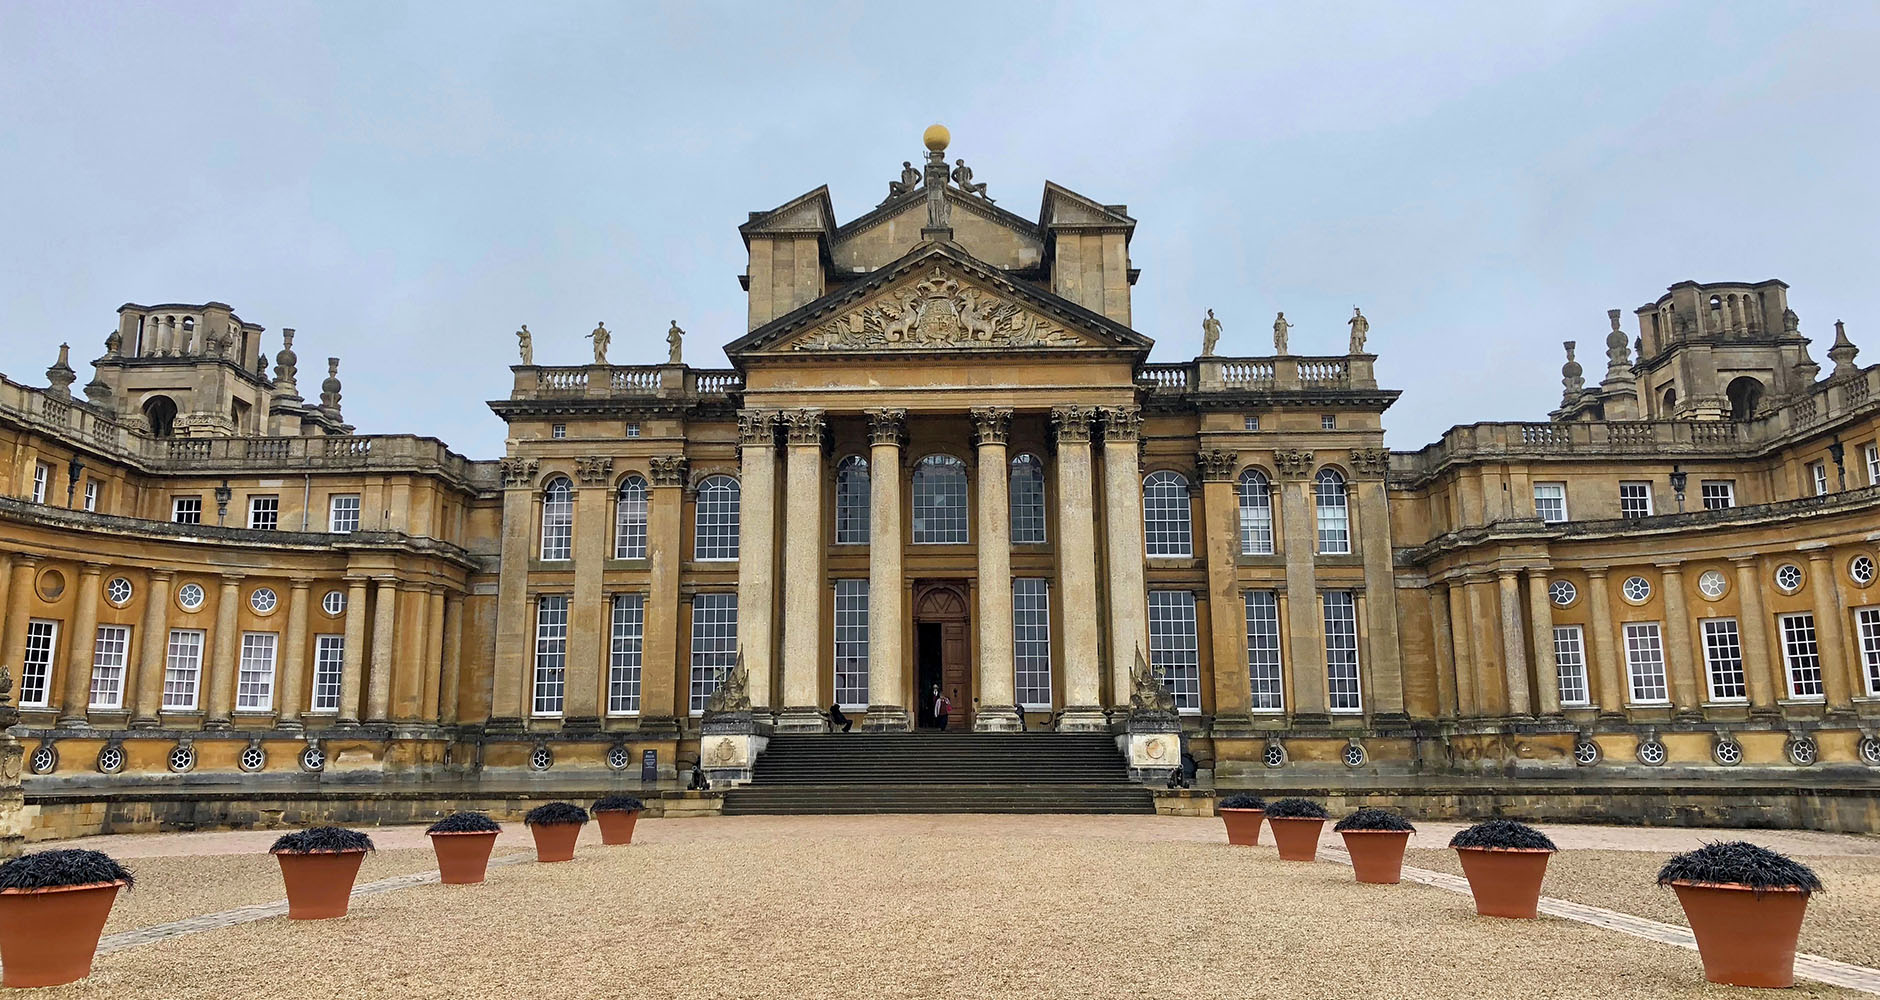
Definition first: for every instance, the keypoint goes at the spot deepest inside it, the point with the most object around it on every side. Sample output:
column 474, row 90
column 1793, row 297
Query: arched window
column 1334, row 518
column 940, row 501
column 630, row 519
column 852, row 501
column 1256, row 514
column 1671, row 400
column 1745, row 394
column 161, row 412
column 1026, row 497
column 716, row 536
column 1167, row 524
column 558, row 520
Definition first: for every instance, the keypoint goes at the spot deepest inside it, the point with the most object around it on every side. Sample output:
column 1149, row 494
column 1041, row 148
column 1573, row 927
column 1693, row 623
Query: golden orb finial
column 936, row 137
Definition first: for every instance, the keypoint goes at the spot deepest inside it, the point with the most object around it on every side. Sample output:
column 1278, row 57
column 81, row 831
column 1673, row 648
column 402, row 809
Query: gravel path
column 912, row 907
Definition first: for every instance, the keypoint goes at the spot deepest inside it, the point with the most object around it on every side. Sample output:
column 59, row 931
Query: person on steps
column 941, row 708
column 836, row 718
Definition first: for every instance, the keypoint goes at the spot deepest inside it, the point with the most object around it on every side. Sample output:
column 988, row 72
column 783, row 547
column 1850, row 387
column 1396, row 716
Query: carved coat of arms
column 939, row 311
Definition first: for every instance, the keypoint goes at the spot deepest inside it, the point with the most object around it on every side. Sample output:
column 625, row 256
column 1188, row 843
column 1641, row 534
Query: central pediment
column 940, row 300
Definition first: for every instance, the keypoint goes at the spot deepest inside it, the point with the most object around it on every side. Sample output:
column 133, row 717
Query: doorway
column 942, row 655
column 928, row 650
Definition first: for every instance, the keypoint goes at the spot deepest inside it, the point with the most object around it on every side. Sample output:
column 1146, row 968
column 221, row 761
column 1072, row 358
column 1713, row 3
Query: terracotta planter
column 319, row 884
column 617, row 825
column 1298, row 839
column 555, row 841
column 1377, row 855
column 1506, row 881
column 48, row 936
column 1746, row 938
column 463, row 858
column 1243, row 826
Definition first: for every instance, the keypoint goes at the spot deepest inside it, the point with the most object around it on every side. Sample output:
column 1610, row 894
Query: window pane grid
column 254, row 681
column 107, row 666
column 1264, row 675
column 714, row 644
column 1167, row 519
column 1719, row 495
column 1031, row 642
column 36, row 672
column 852, row 498
column 1802, row 655
column 558, row 521
column 181, row 669
column 551, row 653
column 1173, row 648
column 851, row 643
column 716, row 536
column 329, row 660
column 264, row 513
column 940, row 501
column 630, row 519
column 1635, row 499
column 1027, row 501
column 1341, row 652
column 343, row 517
column 1550, row 502
column 1570, row 664
column 1256, row 514
column 1867, row 621
column 1334, row 517
column 623, row 654
column 1723, row 660
column 186, row 510
column 1645, row 663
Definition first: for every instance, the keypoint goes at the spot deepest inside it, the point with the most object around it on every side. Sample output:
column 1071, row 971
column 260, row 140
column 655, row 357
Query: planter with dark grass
column 1375, row 839
column 319, row 866
column 1745, row 905
column 463, row 842
column 53, row 906
column 616, row 815
column 555, row 827
column 1242, row 815
column 1505, row 862
column 1296, row 825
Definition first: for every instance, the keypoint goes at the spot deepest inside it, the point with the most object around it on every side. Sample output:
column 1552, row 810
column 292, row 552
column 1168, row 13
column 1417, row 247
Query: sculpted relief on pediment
column 938, row 312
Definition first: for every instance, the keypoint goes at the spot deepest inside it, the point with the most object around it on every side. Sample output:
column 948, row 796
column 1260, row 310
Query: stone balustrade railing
column 1281, row 373
column 623, row 382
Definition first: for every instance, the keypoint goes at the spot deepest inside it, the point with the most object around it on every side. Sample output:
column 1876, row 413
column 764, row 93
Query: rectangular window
column 633, row 428
column 1265, row 680
column 1802, row 656
column 42, row 479
column 186, row 510
column 851, row 634
column 1645, row 663
column 254, row 683
column 36, row 671
column 1253, row 423
column 714, row 644
column 558, row 431
column 1867, row 623
column 1818, row 474
column 1327, row 422
column 623, row 654
column 264, row 513
column 1031, row 643
column 1635, row 499
column 182, row 669
column 329, row 664
column 107, row 666
column 1550, row 502
column 1570, row 665
column 1341, row 652
column 343, row 513
column 1873, row 464
column 1174, row 653
column 1719, row 494
column 91, row 494
column 1723, row 660
column 551, row 653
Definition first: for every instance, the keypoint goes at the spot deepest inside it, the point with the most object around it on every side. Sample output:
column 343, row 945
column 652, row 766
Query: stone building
column 943, row 460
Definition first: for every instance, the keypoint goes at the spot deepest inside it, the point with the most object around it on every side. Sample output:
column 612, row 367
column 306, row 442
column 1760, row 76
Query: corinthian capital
column 803, row 426
column 887, row 426
column 1072, row 423
column 667, row 470
column 992, row 424
column 757, row 427
column 1216, row 464
column 518, row 471
column 593, row 468
column 1121, row 423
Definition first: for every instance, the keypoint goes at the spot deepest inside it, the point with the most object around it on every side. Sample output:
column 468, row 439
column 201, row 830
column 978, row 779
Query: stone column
column 81, row 646
column 227, row 650
column 1227, row 608
column 1300, row 526
column 152, row 651
column 590, row 617
column 1442, row 648
column 352, row 677
column 1463, row 641
column 19, row 613
column 803, row 573
column 384, row 618
column 1614, row 694
column 1513, row 645
column 757, row 550
column 1546, row 667
column 1385, row 688
column 514, row 628
column 1122, row 507
column 293, row 673
column 433, row 668
column 997, row 684
column 1758, row 674
column 887, row 593
column 1838, row 681
column 1491, row 694
column 451, row 667
column 1077, row 571
column 663, row 697
column 1680, row 665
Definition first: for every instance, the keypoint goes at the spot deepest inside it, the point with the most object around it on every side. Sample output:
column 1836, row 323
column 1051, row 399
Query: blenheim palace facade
column 944, row 461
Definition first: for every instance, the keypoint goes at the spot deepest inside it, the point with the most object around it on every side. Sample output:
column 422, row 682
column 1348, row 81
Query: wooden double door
column 942, row 654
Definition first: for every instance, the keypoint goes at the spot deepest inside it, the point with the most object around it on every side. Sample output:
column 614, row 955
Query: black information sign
column 649, row 766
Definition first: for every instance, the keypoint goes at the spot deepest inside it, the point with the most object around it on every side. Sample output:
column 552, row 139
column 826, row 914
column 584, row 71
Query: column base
column 144, row 722
column 581, row 724
column 996, row 719
column 1083, row 719
column 217, row 726
column 73, row 722
column 886, row 719
column 292, row 725
column 801, row 720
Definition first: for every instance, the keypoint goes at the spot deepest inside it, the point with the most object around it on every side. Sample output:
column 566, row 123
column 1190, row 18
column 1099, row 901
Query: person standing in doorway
column 941, row 708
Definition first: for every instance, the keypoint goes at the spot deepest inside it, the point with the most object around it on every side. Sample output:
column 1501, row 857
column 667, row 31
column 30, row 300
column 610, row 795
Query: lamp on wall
column 1838, row 452
column 1679, row 479
column 222, row 496
column 73, row 470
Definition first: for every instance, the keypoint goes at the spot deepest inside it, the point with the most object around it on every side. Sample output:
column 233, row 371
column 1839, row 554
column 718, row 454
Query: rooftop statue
column 963, row 176
column 910, row 179
column 1210, row 334
column 526, row 344
column 1280, row 326
column 675, row 341
column 1360, row 328
column 601, row 339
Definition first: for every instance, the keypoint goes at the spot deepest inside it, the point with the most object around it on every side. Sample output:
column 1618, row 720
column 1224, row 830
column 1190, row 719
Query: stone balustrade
column 1281, row 373
column 623, row 382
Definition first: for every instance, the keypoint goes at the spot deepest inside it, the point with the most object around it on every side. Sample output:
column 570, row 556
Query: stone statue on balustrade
column 1280, row 326
column 525, row 342
column 601, row 338
column 1360, row 328
column 675, row 344
column 1210, row 334
column 910, row 179
column 963, row 176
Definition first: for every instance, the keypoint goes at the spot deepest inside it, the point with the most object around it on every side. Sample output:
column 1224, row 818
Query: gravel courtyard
column 920, row 906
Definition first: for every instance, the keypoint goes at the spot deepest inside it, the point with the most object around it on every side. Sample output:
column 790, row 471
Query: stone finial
column 1570, row 377
column 113, row 343
column 1842, row 352
column 1618, row 351
column 99, row 392
column 329, row 389
column 286, row 365
column 61, row 376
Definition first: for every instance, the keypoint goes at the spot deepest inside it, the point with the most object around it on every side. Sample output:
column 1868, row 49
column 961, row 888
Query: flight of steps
column 935, row 772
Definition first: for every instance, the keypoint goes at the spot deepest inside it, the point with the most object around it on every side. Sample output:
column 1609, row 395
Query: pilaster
column 352, row 676
column 1385, row 691
column 222, row 665
column 1300, row 524
column 1759, row 674
column 887, row 591
column 664, row 695
column 1077, row 570
column 19, row 611
column 757, row 551
column 1681, row 663
column 1220, row 512
column 1546, row 667
column 1838, row 681
column 81, row 646
column 1122, row 502
column 384, row 622
column 432, row 670
column 152, row 650
column 1513, row 644
column 514, row 632
column 292, row 695
column 1462, row 640
column 803, row 573
column 450, row 684
column 1612, row 692
column 589, row 615
column 997, row 685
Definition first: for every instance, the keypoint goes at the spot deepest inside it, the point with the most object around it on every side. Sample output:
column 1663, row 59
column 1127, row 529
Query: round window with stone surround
column 111, row 758
column 334, row 603
column 1728, row 753
column 253, row 758
column 313, row 758
column 1803, row 752
column 182, row 757
column 118, row 591
column 1354, row 755
column 1636, row 589
column 190, row 596
column 1585, row 753
column 1275, row 755
column 1713, row 584
column 1652, row 753
column 1563, row 593
column 1788, row 578
column 264, row 600
column 618, row 757
column 1870, row 751
column 1861, row 570
column 541, row 758
column 45, row 759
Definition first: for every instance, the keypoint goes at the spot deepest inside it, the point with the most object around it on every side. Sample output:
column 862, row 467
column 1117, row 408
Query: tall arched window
column 852, row 501
column 630, row 519
column 940, row 501
column 1334, row 517
column 558, row 520
column 1256, row 514
column 1026, row 498
column 1167, row 525
column 716, row 535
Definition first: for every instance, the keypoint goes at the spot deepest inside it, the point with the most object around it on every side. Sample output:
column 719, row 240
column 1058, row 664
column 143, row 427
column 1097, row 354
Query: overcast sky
column 404, row 185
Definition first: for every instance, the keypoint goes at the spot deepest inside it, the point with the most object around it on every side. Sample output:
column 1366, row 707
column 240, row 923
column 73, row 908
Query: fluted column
column 1122, row 505
column 1681, row 665
column 803, row 573
column 293, row 675
column 352, row 677
column 1513, row 644
column 1303, row 622
column 664, row 696
column 222, row 663
column 384, row 619
column 997, row 687
column 1077, row 570
column 449, row 684
column 887, row 594
column 1546, row 667
column 1758, row 674
column 1614, row 694
column 757, row 550
column 514, row 626
column 81, row 646
column 1226, row 606
column 1838, row 681
column 152, row 652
